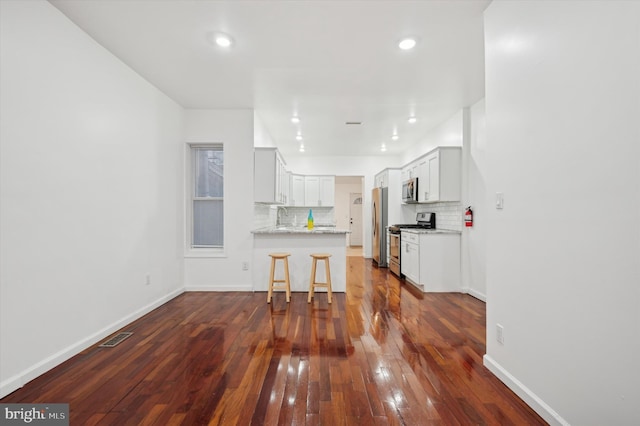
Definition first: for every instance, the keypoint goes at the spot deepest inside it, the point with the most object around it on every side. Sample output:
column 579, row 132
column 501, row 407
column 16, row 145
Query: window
column 207, row 196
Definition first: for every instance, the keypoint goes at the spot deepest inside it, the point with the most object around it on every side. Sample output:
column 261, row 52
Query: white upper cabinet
column 270, row 179
column 327, row 190
column 410, row 171
column 319, row 191
column 311, row 190
column 382, row 179
column 274, row 184
column 296, row 195
column 439, row 175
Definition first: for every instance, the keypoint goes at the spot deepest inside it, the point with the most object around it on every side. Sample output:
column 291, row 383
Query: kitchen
column 533, row 138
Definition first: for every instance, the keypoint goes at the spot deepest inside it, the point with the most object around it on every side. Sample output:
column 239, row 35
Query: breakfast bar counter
column 300, row 243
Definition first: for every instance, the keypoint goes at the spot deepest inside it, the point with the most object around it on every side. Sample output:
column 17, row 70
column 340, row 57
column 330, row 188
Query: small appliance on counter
column 425, row 220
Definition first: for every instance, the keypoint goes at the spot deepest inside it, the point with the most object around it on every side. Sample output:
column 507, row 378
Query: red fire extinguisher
column 468, row 217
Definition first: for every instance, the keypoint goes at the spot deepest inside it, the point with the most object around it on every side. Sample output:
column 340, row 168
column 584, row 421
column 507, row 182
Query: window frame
column 192, row 250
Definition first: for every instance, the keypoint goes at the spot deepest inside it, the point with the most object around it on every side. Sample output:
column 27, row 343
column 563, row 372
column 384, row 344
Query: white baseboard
column 246, row 287
column 16, row 382
column 537, row 404
column 475, row 294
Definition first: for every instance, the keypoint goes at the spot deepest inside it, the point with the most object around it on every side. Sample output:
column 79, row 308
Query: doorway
column 345, row 216
column 355, row 222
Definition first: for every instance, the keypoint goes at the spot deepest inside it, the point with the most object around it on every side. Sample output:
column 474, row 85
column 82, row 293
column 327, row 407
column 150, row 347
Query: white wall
column 91, row 192
column 474, row 194
column 235, row 129
column 348, row 166
column 448, row 133
column 261, row 136
column 563, row 256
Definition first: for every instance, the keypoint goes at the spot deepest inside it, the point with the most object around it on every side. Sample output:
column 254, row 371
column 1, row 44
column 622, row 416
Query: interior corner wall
column 91, row 192
column 563, row 255
column 474, row 194
column 234, row 129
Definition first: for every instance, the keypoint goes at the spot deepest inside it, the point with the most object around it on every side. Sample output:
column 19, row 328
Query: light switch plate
column 499, row 200
column 500, row 333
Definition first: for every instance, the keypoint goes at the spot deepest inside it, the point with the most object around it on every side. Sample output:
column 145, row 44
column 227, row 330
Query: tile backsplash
column 267, row 215
column 448, row 215
column 264, row 215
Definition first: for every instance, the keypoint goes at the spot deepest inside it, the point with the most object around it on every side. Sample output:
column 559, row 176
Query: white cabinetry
column 439, row 175
column 296, row 196
column 410, row 256
column 311, row 190
column 327, row 190
column 410, row 171
column 429, row 178
column 270, row 179
column 319, row 191
column 382, row 179
column 423, row 179
column 285, row 186
column 431, row 260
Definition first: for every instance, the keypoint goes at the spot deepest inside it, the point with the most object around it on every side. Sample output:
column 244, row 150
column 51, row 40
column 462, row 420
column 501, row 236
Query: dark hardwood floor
column 380, row 354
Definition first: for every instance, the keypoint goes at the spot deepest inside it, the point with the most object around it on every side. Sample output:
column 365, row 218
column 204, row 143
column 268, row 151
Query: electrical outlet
column 245, row 266
column 500, row 334
column 148, row 280
column 499, row 200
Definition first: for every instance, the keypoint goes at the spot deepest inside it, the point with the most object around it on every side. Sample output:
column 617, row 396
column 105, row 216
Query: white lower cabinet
column 431, row 260
column 410, row 256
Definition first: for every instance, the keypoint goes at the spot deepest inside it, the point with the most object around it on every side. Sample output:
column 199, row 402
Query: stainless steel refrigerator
column 379, row 200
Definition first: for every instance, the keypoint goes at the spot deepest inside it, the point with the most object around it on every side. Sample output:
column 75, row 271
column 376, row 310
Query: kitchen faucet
column 279, row 216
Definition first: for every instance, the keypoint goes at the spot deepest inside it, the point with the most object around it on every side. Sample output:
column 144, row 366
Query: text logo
column 34, row 414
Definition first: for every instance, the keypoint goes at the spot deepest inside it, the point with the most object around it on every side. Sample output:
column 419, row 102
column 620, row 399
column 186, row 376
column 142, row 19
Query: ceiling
column 328, row 61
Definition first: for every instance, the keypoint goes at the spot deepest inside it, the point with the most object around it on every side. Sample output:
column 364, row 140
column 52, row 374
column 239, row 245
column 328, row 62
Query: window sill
column 204, row 253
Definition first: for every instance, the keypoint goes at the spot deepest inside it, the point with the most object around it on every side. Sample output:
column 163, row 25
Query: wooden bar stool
column 312, row 282
column 279, row 284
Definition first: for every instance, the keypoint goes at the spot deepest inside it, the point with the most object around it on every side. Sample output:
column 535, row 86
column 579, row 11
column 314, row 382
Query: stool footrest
column 285, row 283
column 312, row 282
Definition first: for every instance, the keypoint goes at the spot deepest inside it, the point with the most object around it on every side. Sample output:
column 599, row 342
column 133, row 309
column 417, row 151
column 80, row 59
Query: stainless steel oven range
column 423, row 221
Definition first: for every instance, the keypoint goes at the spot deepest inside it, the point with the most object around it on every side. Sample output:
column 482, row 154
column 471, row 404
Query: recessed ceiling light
column 412, row 120
column 407, row 43
column 298, row 137
column 295, row 119
column 394, row 137
column 221, row 39
column 383, row 148
column 301, row 148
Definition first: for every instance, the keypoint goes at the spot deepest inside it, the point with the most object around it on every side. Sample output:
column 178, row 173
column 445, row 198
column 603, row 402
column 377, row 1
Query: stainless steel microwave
column 410, row 191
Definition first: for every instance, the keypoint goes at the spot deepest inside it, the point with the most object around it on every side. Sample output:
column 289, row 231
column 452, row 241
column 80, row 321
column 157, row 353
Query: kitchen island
column 300, row 242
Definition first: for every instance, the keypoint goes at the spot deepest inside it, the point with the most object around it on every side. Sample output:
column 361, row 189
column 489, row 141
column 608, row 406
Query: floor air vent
column 115, row 340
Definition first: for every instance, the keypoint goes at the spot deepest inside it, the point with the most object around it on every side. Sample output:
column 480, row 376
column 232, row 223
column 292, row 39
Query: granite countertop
column 289, row 229
column 431, row 231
